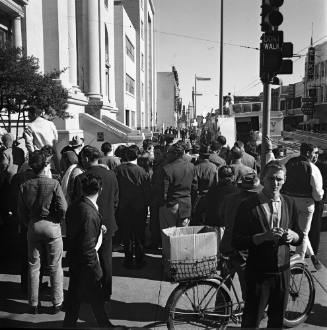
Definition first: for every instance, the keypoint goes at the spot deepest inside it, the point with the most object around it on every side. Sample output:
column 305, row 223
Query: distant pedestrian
column 178, row 177
column 108, row 158
column 247, row 159
column 214, row 157
column 134, row 198
column 41, row 207
column 206, row 176
column 236, row 163
column 83, row 232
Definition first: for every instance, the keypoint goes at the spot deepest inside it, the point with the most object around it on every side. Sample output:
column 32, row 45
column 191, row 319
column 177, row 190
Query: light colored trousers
column 305, row 207
column 44, row 239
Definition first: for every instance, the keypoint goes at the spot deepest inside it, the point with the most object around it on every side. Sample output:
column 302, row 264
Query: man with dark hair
column 214, row 157
column 216, row 194
column 223, row 151
column 304, row 184
column 247, row 159
column 108, row 158
column 134, row 196
column 206, row 175
column 265, row 225
column 178, row 176
column 83, row 232
column 239, row 168
column 107, row 203
column 41, row 207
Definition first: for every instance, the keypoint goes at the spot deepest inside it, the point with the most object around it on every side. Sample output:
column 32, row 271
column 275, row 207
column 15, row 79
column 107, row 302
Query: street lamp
column 195, row 94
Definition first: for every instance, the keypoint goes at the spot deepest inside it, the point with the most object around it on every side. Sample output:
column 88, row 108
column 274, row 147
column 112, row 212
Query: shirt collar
column 94, row 204
column 265, row 199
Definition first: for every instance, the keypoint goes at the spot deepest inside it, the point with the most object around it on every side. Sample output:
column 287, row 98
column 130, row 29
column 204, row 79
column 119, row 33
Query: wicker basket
column 185, row 270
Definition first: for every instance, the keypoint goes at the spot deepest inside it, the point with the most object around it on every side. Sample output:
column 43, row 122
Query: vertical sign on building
column 311, row 64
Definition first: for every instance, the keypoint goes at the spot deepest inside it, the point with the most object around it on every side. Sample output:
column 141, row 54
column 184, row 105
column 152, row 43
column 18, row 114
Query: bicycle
column 213, row 301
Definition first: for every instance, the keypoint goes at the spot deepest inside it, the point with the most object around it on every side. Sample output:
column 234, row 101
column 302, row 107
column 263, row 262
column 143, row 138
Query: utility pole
column 195, row 96
column 221, row 57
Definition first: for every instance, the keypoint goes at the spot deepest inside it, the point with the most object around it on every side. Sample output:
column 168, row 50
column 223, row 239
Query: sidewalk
column 138, row 300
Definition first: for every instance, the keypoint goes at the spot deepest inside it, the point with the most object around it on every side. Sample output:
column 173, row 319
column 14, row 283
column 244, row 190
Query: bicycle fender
column 296, row 259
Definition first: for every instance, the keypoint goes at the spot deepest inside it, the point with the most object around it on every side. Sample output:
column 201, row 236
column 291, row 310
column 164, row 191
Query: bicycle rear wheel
column 301, row 296
column 200, row 304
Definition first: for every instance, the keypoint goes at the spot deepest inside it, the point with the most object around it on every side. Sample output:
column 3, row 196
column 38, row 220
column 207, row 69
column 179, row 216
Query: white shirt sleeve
column 316, row 183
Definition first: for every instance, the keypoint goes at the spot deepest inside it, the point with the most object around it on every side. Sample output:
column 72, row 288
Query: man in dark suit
column 265, row 225
column 108, row 203
column 134, row 196
column 178, row 176
column 83, row 232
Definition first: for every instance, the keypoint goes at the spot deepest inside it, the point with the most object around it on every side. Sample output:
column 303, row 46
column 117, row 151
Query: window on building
column 3, row 36
column 142, row 91
column 142, row 30
column 282, row 105
column 142, row 62
column 132, row 119
column 130, row 84
column 107, row 82
column 127, row 122
column 130, row 51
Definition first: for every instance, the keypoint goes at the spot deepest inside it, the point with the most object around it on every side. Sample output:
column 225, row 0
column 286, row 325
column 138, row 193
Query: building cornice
column 12, row 8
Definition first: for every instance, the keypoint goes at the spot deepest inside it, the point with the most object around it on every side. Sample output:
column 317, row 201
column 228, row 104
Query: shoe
column 128, row 264
column 56, row 309
column 34, row 310
column 316, row 263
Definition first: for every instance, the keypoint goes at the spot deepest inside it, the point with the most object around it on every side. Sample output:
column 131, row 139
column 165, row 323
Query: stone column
column 72, row 51
column 93, row 52
column 18, row 32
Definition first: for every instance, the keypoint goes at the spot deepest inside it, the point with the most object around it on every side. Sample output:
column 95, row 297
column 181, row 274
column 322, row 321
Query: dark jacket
column 83, row 229
column 216, row 159
column 134, row 186
column 111, row 161
column 206, row 175
column 267, row 257
column 178, row 177
column 108, row 198
column 215, row 199
column 298, row 177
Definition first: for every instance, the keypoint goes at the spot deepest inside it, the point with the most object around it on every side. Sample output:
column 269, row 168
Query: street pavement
column 138, row 300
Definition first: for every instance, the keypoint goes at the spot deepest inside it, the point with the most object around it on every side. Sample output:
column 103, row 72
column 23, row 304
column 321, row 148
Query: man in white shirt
column 304, row 184
column 40, row 132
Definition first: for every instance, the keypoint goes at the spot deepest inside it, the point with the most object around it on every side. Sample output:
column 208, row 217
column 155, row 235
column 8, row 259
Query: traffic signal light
column 271, row 18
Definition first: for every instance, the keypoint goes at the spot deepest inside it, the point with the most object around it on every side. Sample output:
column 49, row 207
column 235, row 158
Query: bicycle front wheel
column 200, row 304
column 301, row 296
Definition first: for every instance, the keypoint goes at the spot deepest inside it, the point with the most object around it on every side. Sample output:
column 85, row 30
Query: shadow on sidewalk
column 140, row 312
column 318, row 316
column 153, row 270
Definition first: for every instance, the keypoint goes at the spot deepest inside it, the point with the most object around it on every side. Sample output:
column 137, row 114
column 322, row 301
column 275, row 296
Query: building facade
column 168, row 100
column 141, row 13
column 77, row 35
column 315, row 83
column 125, row 67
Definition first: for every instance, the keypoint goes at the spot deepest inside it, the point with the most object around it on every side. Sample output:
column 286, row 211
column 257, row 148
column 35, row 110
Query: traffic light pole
column 265, row 120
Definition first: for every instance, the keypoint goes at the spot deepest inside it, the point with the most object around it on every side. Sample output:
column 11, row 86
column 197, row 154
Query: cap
column 76, row 142
column 251, row 182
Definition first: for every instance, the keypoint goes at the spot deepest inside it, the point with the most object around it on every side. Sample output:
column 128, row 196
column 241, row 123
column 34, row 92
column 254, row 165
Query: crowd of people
column 105, row 199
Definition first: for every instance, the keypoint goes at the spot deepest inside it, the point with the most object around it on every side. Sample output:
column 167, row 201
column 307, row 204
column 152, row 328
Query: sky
column 188, row 37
